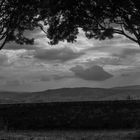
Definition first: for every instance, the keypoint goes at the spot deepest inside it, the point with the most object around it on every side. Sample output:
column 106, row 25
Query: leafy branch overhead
column 61, row 19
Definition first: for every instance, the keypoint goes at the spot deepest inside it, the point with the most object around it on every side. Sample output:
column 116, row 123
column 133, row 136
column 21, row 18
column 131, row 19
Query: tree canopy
column 61, row 19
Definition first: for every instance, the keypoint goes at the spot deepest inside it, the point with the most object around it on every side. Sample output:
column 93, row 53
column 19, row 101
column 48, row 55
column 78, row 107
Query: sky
column 85, row 63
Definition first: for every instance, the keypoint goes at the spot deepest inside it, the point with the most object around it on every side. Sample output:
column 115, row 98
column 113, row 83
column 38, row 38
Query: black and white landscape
column 72, row 94
column 70, row 64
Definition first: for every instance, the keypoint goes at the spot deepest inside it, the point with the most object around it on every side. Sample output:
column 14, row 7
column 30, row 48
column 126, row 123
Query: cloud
column 128, row 52
column 13, row 83
column 110, row 60
column 131, row 74
column 14, row 46
column 2, row 77
column 94, row 73
column 4, row 60
column 125, row 74
column 59, row 77
column 46, row 78
column 61, row 54
column 128, row 56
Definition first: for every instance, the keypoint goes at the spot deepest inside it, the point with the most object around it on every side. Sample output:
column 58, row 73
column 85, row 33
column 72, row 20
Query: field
column 95, row 120
column 71, row 135
column 97, row 115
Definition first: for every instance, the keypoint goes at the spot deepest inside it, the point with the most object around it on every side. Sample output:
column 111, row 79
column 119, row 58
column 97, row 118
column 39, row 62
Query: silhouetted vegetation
column 61, row 19
column 71, row 115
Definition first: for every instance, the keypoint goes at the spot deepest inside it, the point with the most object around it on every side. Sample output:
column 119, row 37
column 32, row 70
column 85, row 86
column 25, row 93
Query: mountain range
column 72, row 94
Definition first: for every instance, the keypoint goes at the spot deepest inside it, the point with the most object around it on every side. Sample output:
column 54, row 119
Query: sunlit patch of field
column 71, row 135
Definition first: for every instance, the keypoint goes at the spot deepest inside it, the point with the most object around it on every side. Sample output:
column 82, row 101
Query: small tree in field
column 129, row 97
column 99, row 19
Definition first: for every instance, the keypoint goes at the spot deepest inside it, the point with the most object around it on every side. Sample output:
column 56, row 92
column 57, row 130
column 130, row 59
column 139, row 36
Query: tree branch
column 4, row 42
column 123, row 33
column 41, row 27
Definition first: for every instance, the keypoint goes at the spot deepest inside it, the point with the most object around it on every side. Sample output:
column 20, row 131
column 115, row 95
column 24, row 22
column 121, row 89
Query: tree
column 129, row 97
column 99, row 19
column 16, row 16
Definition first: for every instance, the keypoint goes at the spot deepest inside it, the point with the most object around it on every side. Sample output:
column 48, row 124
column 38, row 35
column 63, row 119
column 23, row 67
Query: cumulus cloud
column 61, row 54
column 95, row 73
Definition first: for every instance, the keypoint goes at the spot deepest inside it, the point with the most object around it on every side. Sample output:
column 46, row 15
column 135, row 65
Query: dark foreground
column 95, row 115
column 71, row 135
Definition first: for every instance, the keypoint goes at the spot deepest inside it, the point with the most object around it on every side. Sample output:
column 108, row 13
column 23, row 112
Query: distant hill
column 128, row 87
column 72, row 94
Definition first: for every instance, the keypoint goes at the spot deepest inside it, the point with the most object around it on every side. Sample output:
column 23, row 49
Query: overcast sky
column 86, row 63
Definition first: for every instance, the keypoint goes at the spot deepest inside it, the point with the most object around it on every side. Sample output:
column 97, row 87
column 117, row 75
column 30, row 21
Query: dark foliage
column 98, row 18
column 71, row 115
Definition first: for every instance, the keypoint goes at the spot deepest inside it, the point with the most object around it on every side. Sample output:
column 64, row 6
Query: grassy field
column 71, row 135
column 99, row 115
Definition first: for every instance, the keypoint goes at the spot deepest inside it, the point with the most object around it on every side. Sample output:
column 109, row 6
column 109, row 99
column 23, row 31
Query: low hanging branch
column 4, row 42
